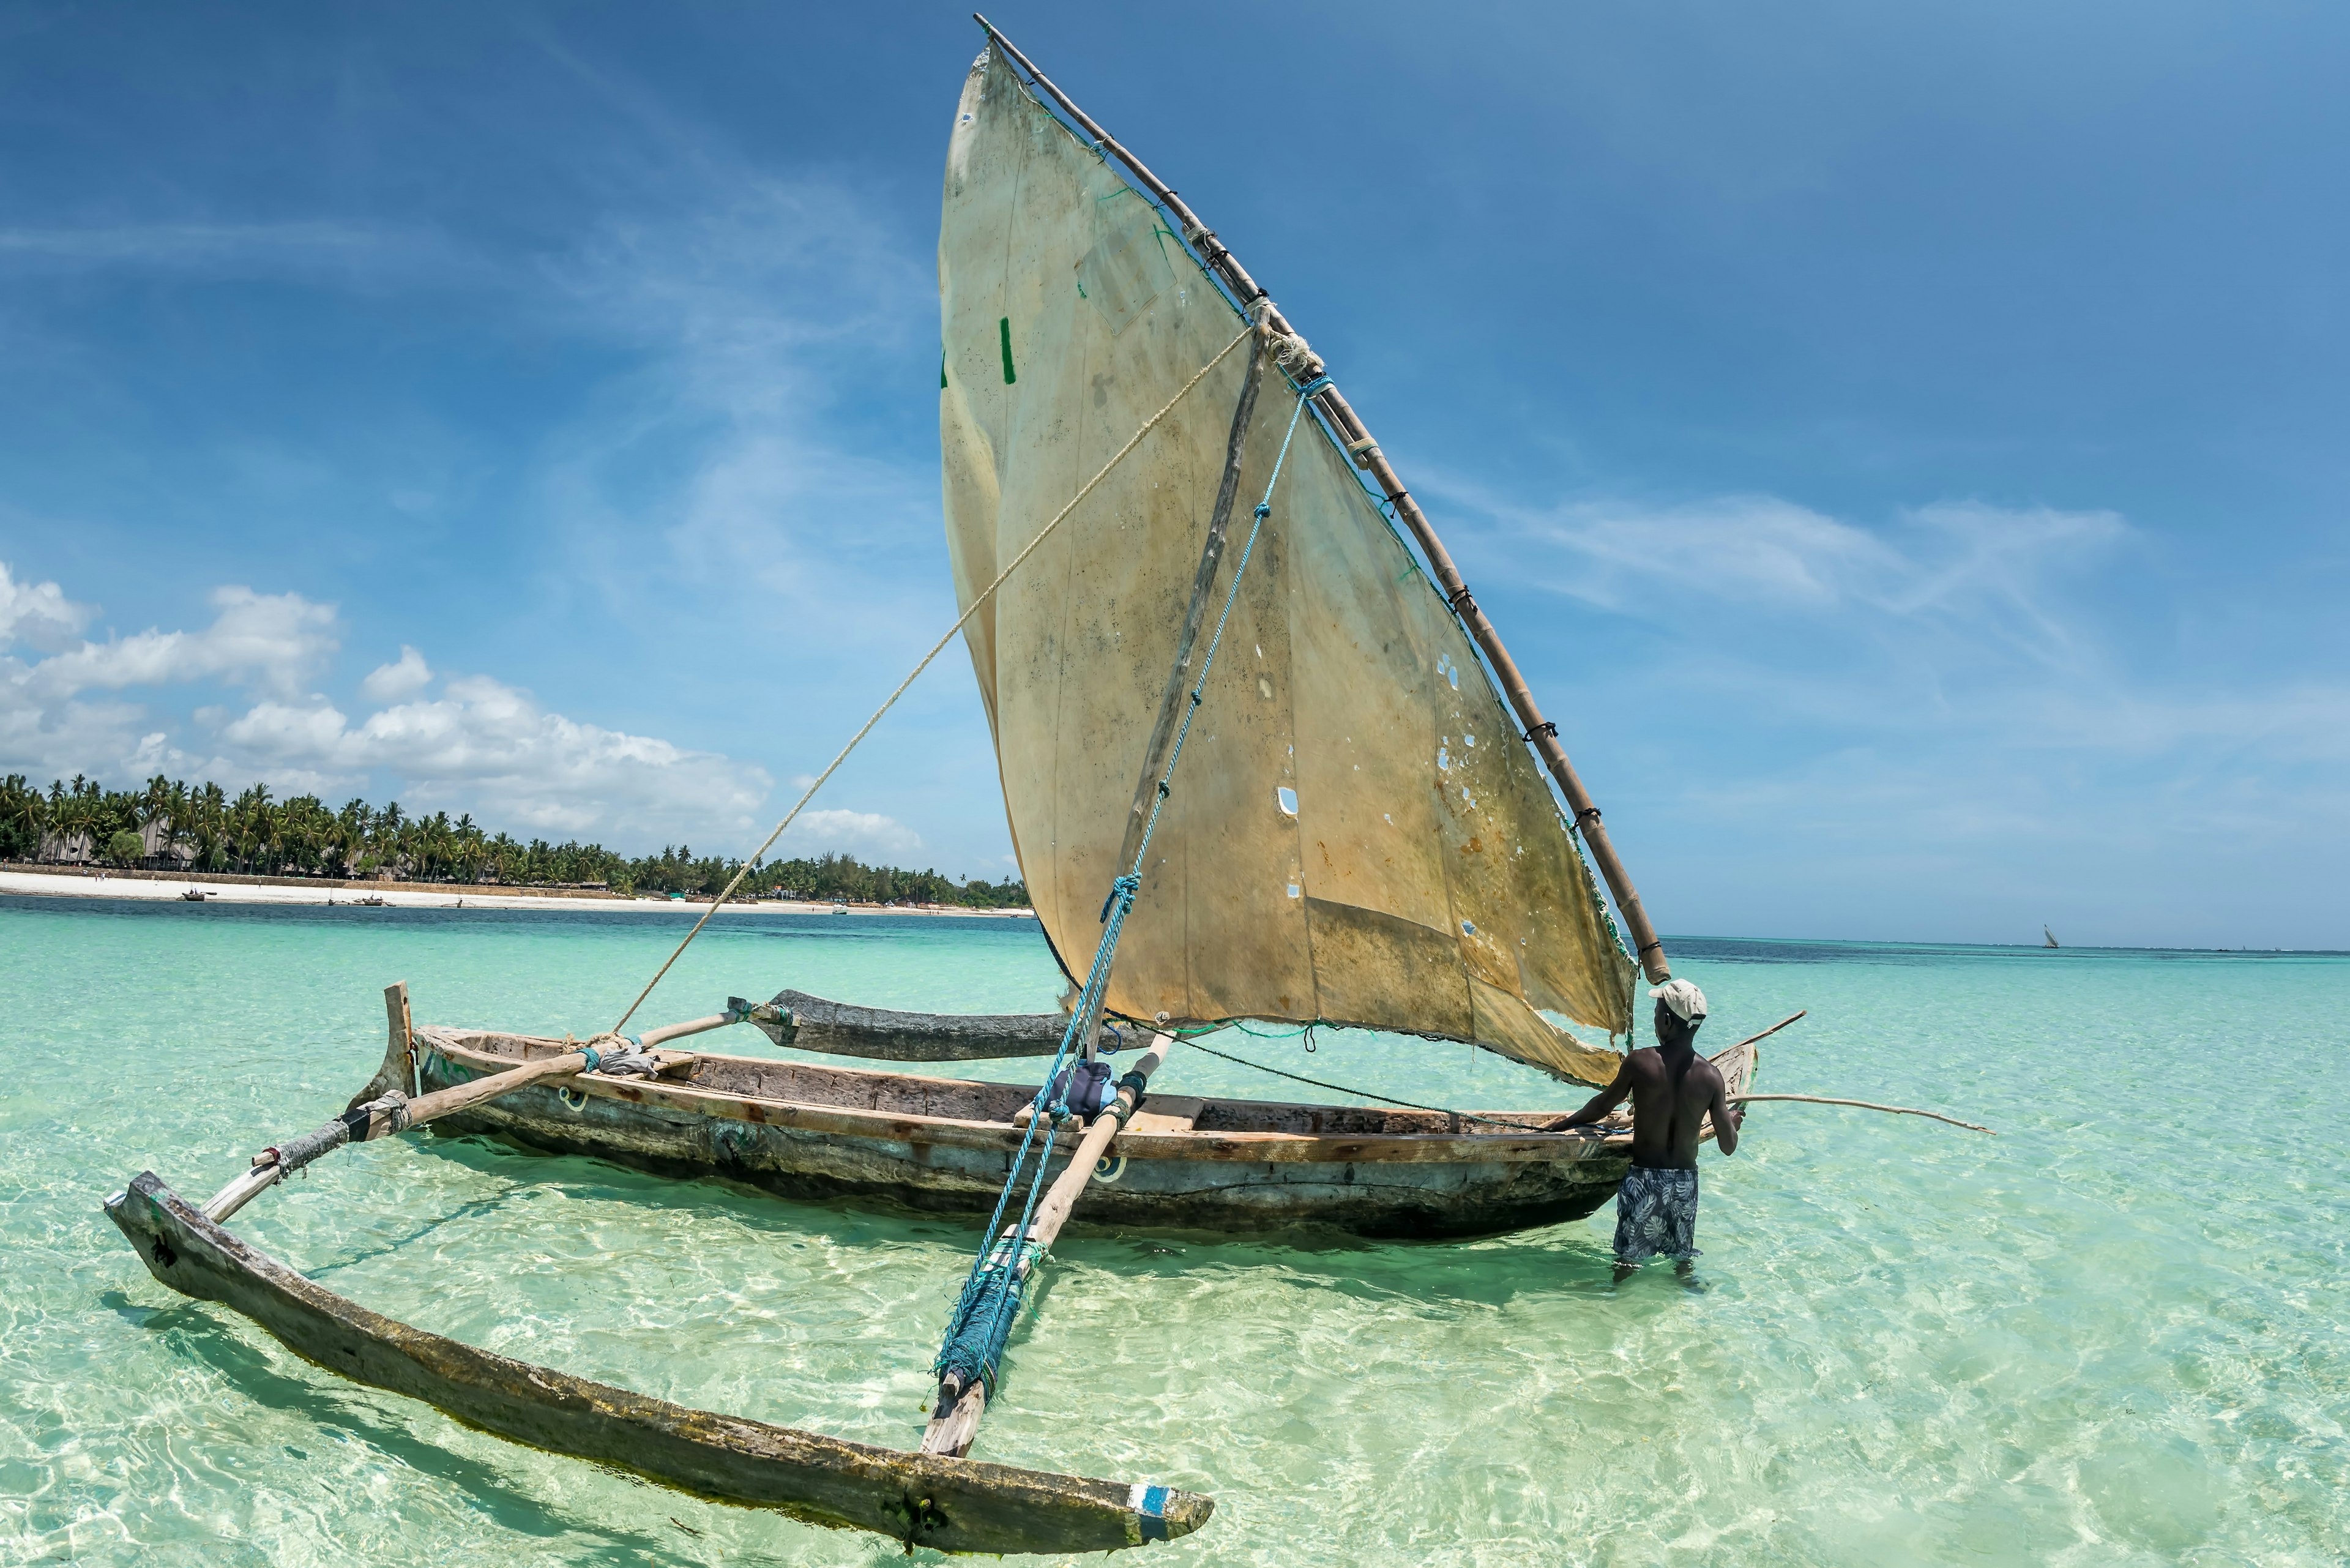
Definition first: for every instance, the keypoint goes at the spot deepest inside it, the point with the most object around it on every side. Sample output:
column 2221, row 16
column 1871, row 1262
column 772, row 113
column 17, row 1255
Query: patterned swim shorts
column 1656, row 1214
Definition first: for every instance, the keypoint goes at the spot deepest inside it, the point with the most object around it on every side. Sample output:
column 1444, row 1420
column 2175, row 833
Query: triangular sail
column 1356, row 834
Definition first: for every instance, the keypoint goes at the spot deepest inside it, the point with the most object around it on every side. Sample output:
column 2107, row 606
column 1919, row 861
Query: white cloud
column 862, row 832
column 482, row 746
column 36, row 613
column 273, row 641
column 398, row 682
column 492, row 747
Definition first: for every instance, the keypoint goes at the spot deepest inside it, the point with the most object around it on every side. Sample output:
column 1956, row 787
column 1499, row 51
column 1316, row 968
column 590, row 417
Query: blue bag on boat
column 1087, row 1086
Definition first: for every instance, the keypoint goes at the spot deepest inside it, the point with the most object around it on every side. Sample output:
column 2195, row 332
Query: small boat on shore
column 195, row 896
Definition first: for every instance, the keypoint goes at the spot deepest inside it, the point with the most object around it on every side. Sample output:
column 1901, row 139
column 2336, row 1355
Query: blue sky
column 1904, row 449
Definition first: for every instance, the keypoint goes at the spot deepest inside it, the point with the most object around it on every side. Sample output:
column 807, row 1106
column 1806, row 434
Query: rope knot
column 1296, row 356
column 1124, row 887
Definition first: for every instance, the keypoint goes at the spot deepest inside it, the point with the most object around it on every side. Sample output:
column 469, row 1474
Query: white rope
column 1865, row 1105
column 936, row 648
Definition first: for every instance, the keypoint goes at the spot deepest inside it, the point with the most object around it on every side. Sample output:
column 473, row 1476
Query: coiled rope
column 989, row 1304
column 936, row 648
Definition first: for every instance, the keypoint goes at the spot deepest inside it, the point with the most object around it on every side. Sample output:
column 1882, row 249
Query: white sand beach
column 66, row 882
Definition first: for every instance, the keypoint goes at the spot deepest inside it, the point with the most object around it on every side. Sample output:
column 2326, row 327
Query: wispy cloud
column 1989, row 566
column 1940, row 700
column 350, row 253
column 762, row 307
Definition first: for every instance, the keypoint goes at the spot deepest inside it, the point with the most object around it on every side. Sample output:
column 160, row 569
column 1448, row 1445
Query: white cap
column 1684, row 997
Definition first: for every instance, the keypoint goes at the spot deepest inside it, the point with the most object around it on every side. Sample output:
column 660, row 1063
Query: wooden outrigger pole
column 1355, row 437
column 945, row 1502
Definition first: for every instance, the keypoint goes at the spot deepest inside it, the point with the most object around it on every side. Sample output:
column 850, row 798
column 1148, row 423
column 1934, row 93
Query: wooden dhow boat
column 814, row 1130
column 1365, row 835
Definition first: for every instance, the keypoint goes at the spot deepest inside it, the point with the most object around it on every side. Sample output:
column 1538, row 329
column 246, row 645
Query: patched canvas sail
column 1355, row 831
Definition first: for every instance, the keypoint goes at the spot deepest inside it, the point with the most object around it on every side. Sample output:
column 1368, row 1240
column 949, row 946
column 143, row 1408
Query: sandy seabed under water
column 2118, row 1334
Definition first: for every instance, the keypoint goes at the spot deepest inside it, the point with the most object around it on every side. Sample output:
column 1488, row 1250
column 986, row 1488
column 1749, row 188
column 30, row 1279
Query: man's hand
column 1598, row 1106
column 1726, row 1118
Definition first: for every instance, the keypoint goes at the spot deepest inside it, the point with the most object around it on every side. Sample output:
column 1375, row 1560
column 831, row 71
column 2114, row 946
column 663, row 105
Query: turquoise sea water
column 2118, row 1334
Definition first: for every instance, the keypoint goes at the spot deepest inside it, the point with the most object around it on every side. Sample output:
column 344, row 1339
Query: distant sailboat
column 2050, row 935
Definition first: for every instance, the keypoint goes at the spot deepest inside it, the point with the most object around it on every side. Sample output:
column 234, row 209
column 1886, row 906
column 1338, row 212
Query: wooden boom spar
column 1355, row 437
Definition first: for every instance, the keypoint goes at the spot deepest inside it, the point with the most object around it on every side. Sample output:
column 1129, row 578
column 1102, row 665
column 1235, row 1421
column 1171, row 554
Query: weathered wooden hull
column 944, row 1144
column 922, row 1500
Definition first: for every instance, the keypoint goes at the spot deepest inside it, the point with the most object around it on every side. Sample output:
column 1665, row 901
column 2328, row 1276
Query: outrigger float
column 1367, row 837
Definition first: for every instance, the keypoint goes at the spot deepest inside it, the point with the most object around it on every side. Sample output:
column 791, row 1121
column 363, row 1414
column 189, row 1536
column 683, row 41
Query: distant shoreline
column 151, row 887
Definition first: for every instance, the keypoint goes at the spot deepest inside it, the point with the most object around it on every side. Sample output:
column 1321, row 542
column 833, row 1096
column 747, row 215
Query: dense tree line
column 173, row 825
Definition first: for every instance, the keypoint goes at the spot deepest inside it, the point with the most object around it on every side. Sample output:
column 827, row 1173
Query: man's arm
column 1725, row 1118
column 1600, row 1104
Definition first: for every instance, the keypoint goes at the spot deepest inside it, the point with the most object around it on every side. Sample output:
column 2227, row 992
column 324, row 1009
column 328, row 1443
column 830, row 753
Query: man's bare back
column 1673, row 1090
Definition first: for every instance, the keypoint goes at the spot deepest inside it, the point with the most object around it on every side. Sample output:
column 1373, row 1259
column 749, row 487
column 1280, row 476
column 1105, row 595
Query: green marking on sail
column 942, row 370
column 1003, row 330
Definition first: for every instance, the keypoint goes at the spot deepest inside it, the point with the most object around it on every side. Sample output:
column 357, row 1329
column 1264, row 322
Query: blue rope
column 984, row 1313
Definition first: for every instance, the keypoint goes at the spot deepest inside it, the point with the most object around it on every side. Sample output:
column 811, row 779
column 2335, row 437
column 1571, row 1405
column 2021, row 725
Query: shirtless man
column 1673, row 1090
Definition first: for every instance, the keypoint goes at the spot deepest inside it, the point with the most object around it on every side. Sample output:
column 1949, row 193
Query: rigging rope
column 936, row 648
column 973, row 1351
column 1366, row 1093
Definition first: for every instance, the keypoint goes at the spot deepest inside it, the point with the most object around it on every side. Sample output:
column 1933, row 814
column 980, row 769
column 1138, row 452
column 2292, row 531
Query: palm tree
column 75, row 816
column 350, row 836
column 23, row 816
column 385, row 837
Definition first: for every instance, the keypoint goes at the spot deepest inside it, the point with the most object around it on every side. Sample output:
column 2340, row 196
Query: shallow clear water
column 2118, row 1334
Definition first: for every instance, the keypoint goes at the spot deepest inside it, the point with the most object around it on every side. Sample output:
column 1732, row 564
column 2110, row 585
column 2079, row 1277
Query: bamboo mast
column 1540, row 732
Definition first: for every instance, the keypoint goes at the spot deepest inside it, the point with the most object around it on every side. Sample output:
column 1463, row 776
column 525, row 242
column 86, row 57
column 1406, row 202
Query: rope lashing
column 297, row 1152
column 1547, row 727
column 936, row 648
column 973, row 1351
